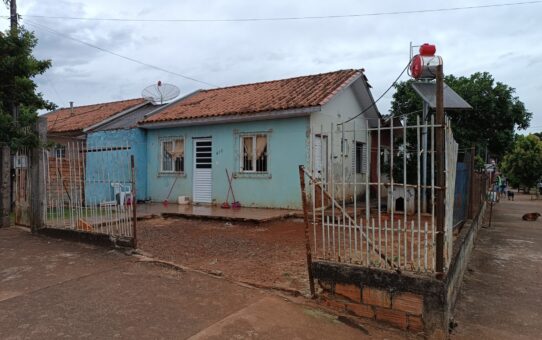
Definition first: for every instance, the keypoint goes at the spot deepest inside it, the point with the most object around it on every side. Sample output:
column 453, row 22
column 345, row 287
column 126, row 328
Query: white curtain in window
column 177, row 151
column 261, row 144
column 247, row 144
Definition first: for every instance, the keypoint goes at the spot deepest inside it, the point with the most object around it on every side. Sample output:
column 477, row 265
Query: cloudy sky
column 506, row 41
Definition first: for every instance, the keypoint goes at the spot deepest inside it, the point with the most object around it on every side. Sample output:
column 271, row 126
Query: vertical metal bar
column 425, row 248
column 405, row 201
column 322, row 173
column 399, row 232
column 433, row 201
column 367, row 190
column 418, row 182
column 355, row 172
column 313, row 192
column 134, row 206
column 385, row 237
column 412, row 243
column 424, row 162
column 378, row 174
column 306, row 220
column 392, row 187
column 373, row 228
column 441, row 181
column 343, row 152
column 324, row 239
column 332, row 186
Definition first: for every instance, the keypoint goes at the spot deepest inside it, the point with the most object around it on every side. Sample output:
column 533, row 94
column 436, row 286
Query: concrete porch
column 172, row 210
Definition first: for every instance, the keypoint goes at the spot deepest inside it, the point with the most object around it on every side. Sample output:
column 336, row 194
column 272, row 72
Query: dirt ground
column 268, row 254
column 56, row 289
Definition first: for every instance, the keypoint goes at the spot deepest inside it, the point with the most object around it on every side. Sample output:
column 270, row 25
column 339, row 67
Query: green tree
column 496, row 112
column 18, row 67
column 523, row 164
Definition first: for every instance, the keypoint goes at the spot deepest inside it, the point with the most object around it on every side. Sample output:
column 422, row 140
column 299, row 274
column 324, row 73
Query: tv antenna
column 160, row 93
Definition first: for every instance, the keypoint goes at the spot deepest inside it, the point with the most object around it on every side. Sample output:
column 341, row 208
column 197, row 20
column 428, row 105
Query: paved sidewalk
column 52, row 289
column 501, row 296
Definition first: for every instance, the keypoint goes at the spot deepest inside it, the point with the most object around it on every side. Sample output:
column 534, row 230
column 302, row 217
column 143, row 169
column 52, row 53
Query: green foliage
column 496, row 112
column 523, row 164
column 18, row 67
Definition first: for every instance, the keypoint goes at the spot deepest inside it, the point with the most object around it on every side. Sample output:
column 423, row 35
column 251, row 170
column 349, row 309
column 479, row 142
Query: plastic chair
column 124, row 191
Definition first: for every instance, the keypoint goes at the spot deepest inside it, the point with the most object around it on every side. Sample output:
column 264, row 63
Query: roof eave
column 246, row 117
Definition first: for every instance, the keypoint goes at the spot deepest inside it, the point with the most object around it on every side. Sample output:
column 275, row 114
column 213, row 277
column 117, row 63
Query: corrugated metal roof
column 129, row 120
column 452, row 101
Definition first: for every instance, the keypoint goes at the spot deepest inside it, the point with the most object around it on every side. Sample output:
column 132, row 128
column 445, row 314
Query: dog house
column 402, row 202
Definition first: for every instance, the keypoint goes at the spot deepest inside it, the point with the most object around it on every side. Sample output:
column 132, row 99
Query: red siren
column 423, row 65
column 428, row 50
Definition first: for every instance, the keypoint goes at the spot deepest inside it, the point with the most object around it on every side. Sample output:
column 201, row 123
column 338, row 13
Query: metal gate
column 22, row 189
column 372, row 212
column 90, row 189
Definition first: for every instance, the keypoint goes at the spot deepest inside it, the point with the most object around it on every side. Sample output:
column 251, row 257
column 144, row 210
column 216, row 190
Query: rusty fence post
column 440, row 166
column 134, row 203
column 306, row 220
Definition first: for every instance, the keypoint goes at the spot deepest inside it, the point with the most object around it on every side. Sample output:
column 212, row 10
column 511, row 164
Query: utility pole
column 5, row 152
column 13, row 16
column 440, row 166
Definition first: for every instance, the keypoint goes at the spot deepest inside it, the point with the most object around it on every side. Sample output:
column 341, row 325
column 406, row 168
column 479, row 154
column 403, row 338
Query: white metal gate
column 203, row 164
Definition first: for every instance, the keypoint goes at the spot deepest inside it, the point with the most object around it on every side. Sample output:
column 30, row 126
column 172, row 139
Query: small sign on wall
column 20, row 162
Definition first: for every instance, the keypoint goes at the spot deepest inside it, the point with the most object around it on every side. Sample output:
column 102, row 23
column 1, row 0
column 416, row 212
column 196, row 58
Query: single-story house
column 260, row 133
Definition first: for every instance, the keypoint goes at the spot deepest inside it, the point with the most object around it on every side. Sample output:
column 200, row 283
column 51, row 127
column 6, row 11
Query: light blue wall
column 287, row 149
column 106, row 167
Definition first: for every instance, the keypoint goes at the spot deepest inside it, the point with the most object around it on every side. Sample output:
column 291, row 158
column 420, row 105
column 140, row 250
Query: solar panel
column 452, row 101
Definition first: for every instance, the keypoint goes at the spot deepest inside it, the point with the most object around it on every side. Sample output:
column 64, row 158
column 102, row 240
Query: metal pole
column 306, row 220
column 440, row 166
column 424, row 160
column 134, row 203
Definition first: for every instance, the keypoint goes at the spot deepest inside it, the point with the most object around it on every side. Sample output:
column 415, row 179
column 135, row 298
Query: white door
column 203, row 168
column 320, row 157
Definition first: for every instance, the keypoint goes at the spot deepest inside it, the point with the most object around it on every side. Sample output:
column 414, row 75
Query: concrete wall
column 344, row 105
column 279, row 188
column 104, row 167
column 417, row 303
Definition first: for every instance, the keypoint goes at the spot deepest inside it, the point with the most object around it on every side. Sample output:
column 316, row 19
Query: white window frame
column 172, row 140
column 254, row 160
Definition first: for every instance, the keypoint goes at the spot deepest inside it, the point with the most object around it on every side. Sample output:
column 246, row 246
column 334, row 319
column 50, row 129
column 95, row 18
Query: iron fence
column 372, row 193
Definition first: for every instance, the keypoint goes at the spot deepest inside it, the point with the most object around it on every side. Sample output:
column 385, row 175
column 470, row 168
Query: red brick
column 415, row 324
column 376, row 297
column 361, row 310
column 349, row 291
column 325, row 285
column 335, row 304
column 394, row 317
column 408, row 302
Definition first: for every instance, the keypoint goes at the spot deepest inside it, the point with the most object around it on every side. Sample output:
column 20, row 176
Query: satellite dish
column 160, row 93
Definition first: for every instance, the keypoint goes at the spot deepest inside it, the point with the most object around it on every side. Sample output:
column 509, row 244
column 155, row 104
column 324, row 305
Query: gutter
column 267, row 115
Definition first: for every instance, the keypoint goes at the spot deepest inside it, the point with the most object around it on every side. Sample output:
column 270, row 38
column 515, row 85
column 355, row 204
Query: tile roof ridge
column 284, row 79
column 103, row 103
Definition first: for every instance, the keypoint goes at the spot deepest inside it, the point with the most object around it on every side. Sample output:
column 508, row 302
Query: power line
column 317, row 17
column 381, row 96
column 50, row 30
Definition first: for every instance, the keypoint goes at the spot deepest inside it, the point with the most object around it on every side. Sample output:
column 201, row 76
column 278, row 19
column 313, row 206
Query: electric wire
column 295, row 18
column 50, row 30
column 381, row 96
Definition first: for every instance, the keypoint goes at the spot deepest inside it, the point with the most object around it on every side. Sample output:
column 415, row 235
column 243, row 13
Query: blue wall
column 279, row 188
column 106, row 167
column 461, row 192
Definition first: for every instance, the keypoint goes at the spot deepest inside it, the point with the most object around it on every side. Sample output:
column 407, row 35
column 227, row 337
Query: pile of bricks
column 402, row 309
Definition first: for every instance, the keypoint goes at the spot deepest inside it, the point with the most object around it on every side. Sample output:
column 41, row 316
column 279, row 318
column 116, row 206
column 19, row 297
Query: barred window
column 360, row 158
column 253, row 153
column 172, row 155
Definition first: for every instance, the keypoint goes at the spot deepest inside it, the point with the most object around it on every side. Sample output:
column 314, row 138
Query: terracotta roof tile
column 292, row 93
column 64, row 120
